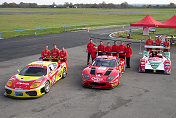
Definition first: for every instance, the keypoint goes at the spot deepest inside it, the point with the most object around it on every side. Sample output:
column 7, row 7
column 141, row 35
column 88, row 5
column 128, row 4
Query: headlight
column 86, row 76
column 36, row 84
column 9, row 83
column 110, row 78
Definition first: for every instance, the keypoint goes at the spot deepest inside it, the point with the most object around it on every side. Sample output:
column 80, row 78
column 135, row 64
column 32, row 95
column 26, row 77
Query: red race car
column 105, row 72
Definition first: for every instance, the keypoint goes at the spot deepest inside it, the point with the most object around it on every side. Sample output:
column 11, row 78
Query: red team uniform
column 101, row 48
column 149, row 42
column 93, row 53
column 63, row 56
column 115, row 48
column 109, row 49
column 122, row 49
column 45, row 54
column 166, row 44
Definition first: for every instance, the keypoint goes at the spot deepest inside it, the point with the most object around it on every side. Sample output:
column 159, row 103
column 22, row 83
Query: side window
column 50, row 68
column 54, row 65
column 118, row 60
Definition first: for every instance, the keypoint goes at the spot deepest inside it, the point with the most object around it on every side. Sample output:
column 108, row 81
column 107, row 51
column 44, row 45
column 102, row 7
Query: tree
column 5, row 4
column 157, row 6
column 172, row 5
column 124, row 5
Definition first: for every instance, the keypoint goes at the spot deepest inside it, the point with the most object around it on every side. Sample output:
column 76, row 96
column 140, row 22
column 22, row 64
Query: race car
column 35, row 79
column 104, row 72
column 155, row 60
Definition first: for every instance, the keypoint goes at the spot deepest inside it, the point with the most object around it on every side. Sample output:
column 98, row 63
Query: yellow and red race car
column 35, row 79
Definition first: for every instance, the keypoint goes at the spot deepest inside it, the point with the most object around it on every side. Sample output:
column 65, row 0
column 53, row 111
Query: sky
column 48, row 2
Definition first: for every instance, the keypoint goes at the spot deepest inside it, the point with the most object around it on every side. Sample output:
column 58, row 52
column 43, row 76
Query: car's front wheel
column 47, row 87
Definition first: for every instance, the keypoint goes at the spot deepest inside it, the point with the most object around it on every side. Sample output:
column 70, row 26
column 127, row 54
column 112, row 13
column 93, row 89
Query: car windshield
column 104, row 62
column 33, row 71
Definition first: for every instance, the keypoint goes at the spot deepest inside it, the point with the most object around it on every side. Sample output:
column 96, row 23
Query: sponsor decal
column 155, row 65
column 96, row 79
column 102, row 68
column 20, row 83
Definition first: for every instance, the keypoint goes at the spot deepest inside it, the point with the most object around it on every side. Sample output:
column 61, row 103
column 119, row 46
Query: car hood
column 27, row 78
column 106, row 71
column 24, row 82
column 100, row 72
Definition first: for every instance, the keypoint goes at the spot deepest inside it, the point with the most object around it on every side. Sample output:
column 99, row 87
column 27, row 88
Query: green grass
column 67, row 17
column 139, row 33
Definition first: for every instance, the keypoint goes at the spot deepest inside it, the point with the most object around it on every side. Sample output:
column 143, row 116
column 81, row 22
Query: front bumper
column 99, row 84
column 32, row 93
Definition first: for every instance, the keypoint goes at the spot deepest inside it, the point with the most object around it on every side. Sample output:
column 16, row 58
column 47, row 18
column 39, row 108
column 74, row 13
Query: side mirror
column 18, row 71
column 89, row 63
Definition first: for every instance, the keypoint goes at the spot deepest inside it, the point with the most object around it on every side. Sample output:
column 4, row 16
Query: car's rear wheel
column 47, row 87
column 64, row 73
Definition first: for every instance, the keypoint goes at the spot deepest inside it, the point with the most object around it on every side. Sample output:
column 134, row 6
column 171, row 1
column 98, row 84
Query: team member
column 55, row 53
column 122, row 49
column 101, row 47
column 63, row 55
column 149, row 42
column 166, row 44
column 89, row 48
column 93, row 52
column 115, row 48
column 108, row 48
column 128, row 55
column 158, row 42
column 45, row 54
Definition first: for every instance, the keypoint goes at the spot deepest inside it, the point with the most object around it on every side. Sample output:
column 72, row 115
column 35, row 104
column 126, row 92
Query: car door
column 52, row 71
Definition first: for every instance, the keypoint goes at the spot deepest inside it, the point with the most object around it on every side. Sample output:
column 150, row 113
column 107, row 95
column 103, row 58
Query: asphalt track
column 140, row 95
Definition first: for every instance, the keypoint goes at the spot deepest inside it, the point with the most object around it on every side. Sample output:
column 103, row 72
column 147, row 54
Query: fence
column 65, row 28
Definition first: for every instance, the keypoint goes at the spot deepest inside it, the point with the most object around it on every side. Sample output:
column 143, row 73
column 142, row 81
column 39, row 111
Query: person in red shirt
column 89, row 48
column 55, row 53
column 115, row 48
column 166, row 44
column 108, row 48
column 122, row 49
column 158, row 42
column 45, row 54
column 128, row 55
column 101, row 47
column 149, row 42
column 93, row 52
column 63, row 55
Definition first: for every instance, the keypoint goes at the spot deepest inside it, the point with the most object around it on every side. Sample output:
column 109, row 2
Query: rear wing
column 156, row 47
column 49, row 58
column 167, row 54
column 111, row 52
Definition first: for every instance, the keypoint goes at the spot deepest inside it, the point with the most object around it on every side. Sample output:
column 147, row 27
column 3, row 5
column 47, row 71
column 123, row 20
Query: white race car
column 155, row 60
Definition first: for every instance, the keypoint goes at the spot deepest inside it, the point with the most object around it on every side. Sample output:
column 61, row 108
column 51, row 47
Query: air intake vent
column 92, row 72
column 108, row 72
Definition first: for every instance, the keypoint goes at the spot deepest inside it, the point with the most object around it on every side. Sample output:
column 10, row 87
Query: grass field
column 138, row 34
column 41, row 18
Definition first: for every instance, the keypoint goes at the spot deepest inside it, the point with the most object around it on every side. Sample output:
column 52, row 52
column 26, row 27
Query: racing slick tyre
column 47, row 87
column 124, row 68
column 139, row 70
column 168, row 73
column 64, row 73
